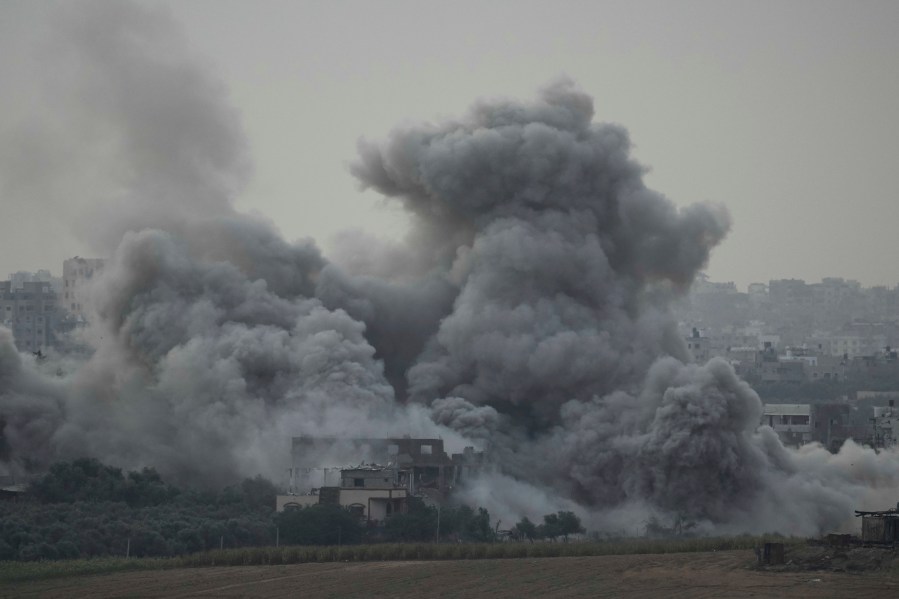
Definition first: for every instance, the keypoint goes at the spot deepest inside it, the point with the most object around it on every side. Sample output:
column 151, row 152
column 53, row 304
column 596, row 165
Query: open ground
column 707, row 574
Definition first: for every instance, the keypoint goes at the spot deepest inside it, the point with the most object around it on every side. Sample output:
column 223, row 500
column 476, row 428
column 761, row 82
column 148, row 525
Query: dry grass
column 257, row 556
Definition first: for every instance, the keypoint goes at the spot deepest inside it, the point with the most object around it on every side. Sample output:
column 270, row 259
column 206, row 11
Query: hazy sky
column 787, row 112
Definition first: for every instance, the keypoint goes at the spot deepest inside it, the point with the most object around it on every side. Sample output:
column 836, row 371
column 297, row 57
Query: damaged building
column 371, row 492
column 389, row 471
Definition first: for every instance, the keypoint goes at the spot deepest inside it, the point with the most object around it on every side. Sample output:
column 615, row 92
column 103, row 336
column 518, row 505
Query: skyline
column 780, row 112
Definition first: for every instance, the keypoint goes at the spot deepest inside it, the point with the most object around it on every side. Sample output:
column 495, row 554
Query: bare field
column 715, row 574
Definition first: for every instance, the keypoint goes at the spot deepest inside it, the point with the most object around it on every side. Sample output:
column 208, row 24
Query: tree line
column 84, row 509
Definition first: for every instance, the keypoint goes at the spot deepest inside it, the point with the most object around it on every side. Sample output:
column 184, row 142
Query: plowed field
column 719, row 574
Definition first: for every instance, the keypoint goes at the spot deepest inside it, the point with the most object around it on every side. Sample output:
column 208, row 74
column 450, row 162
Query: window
column 358, row 482
column 426, row 450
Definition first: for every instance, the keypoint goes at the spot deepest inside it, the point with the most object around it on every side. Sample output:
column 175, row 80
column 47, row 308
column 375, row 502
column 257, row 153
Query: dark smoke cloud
column 527, row 311
column 564, row 241
column 210, row 347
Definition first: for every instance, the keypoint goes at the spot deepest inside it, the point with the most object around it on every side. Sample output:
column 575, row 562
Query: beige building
column 373, row 493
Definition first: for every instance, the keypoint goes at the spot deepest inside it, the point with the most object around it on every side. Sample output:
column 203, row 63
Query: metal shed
column 880, row 527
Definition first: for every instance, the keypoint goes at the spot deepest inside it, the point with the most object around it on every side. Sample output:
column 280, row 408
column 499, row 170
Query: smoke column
column 526, row 312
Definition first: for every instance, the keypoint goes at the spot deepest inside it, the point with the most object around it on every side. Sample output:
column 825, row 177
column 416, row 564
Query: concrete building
column 431, row 471
column 793, row 423
column 41, row 276
column 832, row 425
column 699, row 347
column 885, row 426
column 77, row 274
column 372, row 492
column 31, row 312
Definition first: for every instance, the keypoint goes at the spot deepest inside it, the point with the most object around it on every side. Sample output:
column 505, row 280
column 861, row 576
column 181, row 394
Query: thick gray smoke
column 527, row 311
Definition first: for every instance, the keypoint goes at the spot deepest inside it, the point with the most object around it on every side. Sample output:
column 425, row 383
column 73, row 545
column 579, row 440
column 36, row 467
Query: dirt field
column 720, row 574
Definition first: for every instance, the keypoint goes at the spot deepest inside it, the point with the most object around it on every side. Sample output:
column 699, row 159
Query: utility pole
column 437, row 534
column 277, row 536
column 128, row 548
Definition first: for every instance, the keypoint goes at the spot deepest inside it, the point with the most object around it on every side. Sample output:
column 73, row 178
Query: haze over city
column 784, row 112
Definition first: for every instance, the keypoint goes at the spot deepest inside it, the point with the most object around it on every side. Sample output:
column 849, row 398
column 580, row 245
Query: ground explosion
column 527, row 312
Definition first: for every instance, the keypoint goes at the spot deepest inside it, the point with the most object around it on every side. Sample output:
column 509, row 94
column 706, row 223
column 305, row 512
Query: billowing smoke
column 526, row 312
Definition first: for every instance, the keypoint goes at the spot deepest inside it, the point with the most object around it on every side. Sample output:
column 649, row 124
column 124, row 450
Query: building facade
column 31, row 312
column 77, row 274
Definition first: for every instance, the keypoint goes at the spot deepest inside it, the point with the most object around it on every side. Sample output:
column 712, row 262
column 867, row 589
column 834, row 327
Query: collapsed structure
column 389, row 471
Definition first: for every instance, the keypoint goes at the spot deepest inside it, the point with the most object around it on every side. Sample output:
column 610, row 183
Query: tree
column 569, row 524
column 560, row 524
column 525, row 529
column 319, row 525
column 419, row 523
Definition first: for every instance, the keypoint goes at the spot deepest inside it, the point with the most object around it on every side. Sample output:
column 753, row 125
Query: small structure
column 773, row 554
column 880, row 527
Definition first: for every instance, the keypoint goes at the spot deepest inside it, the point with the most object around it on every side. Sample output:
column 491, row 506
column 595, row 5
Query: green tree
column 569, row 524
column 419, row 523
column 319, row 525
column 525, row 529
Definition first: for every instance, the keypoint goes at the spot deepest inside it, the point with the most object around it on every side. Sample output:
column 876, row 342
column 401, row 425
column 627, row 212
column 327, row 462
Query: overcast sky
column 787, row 112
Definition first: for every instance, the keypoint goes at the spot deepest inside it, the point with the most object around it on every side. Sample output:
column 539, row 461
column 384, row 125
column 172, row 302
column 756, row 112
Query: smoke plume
column 527, row 311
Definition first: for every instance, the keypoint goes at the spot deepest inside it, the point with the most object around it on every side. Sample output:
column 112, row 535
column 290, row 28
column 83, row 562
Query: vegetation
column 93, row 516
column 257, row 556
column 86, row 509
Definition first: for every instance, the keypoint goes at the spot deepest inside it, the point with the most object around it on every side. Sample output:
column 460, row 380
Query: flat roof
column 788, row 409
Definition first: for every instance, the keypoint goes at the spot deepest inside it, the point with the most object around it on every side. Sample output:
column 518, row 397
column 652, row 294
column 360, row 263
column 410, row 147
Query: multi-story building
column 40, row 276
column 371, row 492
column 698, row 346
column 77, row 273
column 792, row 422
column 886, row 426
column 31, row 312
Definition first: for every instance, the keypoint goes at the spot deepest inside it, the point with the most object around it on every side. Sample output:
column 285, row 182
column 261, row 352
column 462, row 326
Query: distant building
column 789, row 292
column 77, row 273
column 832, row 426
column 698, row 346
column 371, row 492
column 792, row 422
column 30, row 311
column 41, row 276
column 431, row 470
column 885, row 426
